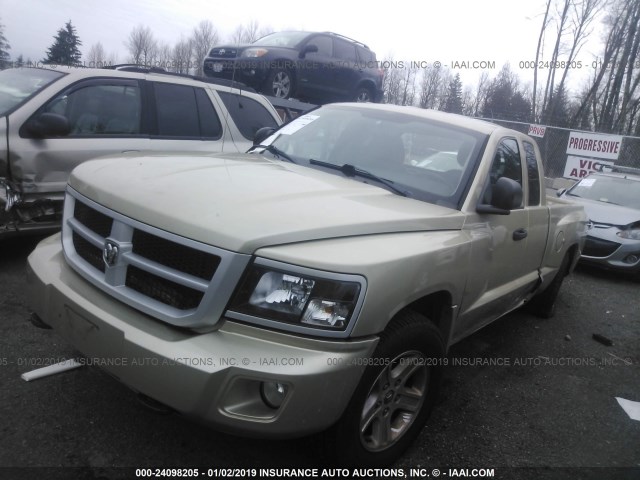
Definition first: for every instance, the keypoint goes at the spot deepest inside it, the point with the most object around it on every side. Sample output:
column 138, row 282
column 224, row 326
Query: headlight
column 254, row 52
column 296, row 297
column 630, row 234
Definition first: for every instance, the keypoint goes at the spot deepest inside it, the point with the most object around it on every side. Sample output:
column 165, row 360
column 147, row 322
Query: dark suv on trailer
column 319, row 67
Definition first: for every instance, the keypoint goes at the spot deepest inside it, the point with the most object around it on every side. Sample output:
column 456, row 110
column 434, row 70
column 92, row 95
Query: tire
column 543, row 305
column 394, row 397
column 279, row 83
column 363, row 95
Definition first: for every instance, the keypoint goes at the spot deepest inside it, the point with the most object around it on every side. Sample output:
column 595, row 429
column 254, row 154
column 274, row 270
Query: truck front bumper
column 220, row 377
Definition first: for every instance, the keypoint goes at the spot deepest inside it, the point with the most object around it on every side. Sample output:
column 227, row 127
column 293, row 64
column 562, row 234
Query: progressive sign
column 593, row 145
column 588, row 152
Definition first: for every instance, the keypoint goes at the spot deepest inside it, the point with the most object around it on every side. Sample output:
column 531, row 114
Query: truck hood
column 243, row 202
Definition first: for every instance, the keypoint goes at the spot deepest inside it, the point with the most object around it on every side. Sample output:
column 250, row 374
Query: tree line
column 609, row 102
column 185, row 56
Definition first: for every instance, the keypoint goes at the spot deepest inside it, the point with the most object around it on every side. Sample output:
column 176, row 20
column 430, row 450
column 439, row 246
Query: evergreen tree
column 505, row 100
column 453, row 103
column 557, row 111
column 64, row 50
column 4, row 49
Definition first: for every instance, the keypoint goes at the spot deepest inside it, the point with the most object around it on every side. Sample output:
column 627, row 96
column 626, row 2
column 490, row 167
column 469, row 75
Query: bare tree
column 612, row 99
column 545, row 22
column 409, row 85
column 164, row 57
column 204, row 37
column 430, row 86
column 237, row 37
column 582, row 14
column 96, row 57
column 265, row 30
column 142, row 46
column 391, row 82
column 561, row 28
column 481, row 94
column 181, row 56
column 251, row 31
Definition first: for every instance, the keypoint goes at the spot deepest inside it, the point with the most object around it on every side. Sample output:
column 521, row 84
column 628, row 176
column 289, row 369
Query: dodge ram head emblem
column 110, row 253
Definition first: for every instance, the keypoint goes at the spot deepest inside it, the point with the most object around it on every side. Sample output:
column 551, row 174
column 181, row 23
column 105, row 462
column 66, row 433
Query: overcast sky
column 447, row 31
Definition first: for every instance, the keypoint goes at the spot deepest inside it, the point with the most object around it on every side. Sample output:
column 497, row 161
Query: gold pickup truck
column 315, row 283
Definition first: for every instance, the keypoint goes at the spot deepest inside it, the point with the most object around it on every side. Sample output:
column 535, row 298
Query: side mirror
column 506, row 195
column 48, row 125
column 262, row 134
column 309, row 48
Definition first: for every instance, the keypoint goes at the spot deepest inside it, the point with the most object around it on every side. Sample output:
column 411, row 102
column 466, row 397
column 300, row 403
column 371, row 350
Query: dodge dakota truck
column 314, row 284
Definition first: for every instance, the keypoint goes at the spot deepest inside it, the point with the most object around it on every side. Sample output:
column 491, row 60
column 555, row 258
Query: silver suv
column 53, row 119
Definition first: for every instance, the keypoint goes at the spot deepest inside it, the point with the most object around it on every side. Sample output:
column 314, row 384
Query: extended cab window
column 100, row 108
column 185, row 111
column 248, row 115
column 533, row 174
column 506, row 163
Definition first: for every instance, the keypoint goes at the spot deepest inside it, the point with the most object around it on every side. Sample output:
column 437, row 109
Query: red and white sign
column 594, row 145
column 579, row 167
column 537, row 130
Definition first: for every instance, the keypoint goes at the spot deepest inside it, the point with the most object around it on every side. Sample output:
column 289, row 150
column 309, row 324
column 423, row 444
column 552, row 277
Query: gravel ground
column 529, row 398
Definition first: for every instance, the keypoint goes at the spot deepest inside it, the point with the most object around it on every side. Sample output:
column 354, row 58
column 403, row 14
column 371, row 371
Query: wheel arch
column 369, row 85
column 436, row 307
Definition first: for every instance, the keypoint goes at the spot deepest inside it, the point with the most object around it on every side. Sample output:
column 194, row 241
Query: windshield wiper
column 274, row 151
column 353, row 171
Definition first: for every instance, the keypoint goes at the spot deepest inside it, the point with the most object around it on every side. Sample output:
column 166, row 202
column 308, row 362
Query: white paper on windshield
column 631, row 408
column 587, row 182
column 297, row 124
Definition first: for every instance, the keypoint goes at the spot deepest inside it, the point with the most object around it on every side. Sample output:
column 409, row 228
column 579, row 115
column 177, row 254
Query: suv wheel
column 280, row 83
column 363, row 94
column 394, row 397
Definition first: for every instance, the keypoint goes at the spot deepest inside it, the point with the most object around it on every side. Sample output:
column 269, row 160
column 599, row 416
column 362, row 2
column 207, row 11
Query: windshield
column 616, row 190
column 281, row 39
column 430, row 161
column 17, row 85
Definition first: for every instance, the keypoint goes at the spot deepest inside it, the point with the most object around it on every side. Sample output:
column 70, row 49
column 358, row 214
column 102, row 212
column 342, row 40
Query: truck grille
column 176, row 256
column 93, row 220
column 88, row 252
column 162, row 290
column 175, row 279
column 596, row 247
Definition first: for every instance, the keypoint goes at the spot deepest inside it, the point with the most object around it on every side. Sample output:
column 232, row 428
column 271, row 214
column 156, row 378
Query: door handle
column 519, row 234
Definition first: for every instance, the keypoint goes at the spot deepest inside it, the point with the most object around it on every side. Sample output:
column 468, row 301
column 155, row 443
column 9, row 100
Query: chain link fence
column 553, row 147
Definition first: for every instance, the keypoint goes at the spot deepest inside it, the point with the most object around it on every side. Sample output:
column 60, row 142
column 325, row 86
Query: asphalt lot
column 529, row 398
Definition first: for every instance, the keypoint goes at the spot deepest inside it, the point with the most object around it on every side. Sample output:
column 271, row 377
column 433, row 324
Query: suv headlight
column 297, row 298
column 254, row 52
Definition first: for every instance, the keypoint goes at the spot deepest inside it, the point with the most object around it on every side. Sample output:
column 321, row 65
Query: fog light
column 631, row 259
column 273, row 393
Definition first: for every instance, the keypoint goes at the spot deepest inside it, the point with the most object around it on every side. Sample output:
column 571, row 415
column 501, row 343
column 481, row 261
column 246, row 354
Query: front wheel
column 394, row 397
column 362, row 95
column 279, row 83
